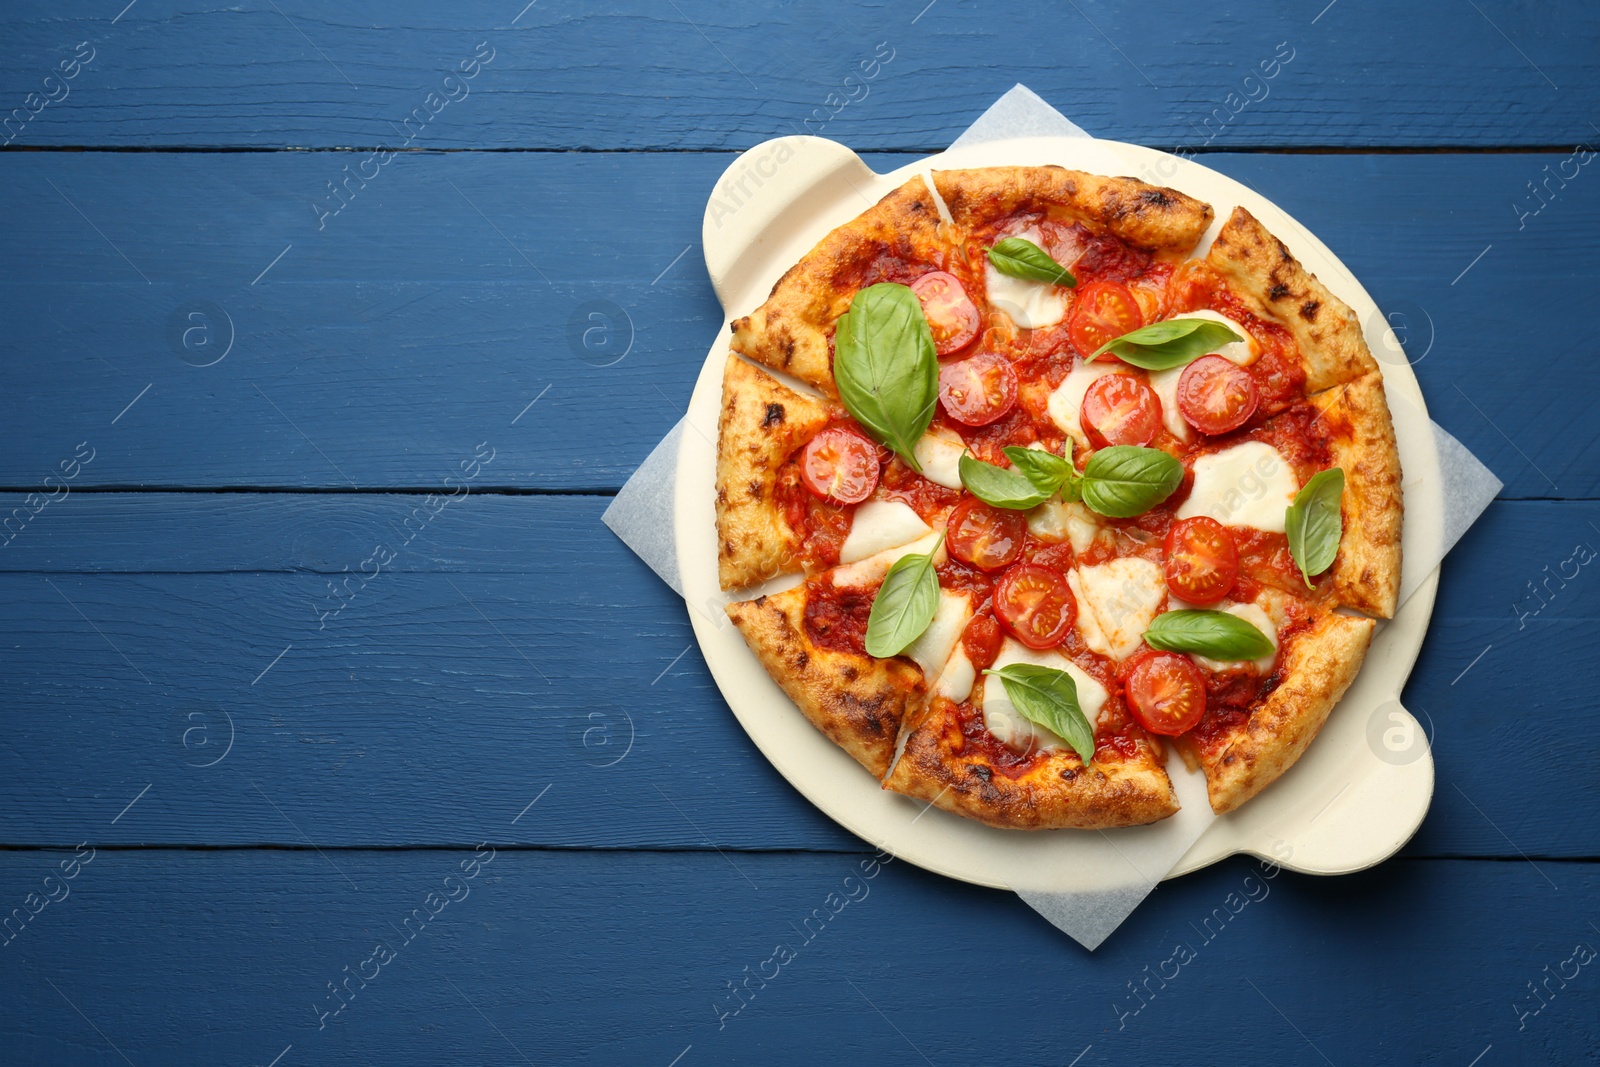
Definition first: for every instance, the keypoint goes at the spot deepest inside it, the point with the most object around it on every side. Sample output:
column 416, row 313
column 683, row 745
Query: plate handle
column 786, row 174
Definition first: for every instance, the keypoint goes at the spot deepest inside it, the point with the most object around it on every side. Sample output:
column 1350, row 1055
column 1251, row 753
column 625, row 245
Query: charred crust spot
column 802, row 659
column 849, row 673
column 788, row 350
column 722, row 495
column 1308, row 310
column 978, row 770
column 1278, row 291
column 774, row 415
column 1156, row 197
column 755, row 490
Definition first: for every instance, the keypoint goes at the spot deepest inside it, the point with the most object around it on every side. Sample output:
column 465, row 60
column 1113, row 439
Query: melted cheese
column 871, row 570
column 1031, row 305
column 1249, row 484
column 1082, row 527
column 932, row 650
column 880, row 524
column 1007, row 724
column 1116, row 602
column 940, row 452
column 1165, row 384
column 1243, row 352
column 1066, row 403
column 1048, row 521
column 955, row 681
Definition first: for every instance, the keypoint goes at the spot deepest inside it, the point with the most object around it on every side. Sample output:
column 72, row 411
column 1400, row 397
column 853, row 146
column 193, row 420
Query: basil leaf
column 1315, row 524
column 1021, row 258
column 1047, row 471
column 1202, row 632
column 904, row 606
column 1164, row 345
column 1127, row 480
column 1001, row 487
column 1050, row 698
column 885, row 366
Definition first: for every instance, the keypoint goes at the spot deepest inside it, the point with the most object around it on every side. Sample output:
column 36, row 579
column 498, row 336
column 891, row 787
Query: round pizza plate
column 1360, row 791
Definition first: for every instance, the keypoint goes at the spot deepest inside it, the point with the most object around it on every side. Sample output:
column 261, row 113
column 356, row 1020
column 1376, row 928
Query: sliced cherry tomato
column 981, row 640
column 1102, row 311
column 1119, row 409
column 986, row 537
column 1166, row 693
column 952, row 316
column 1202, row 560
column 840, row 466
column 1036, row 604
column 1215, row 395
column 978, row 390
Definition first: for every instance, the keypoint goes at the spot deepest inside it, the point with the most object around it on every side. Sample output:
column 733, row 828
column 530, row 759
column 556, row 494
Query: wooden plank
column 378, row 351
column 630, row 74
column 513, row 644
column 167, row 957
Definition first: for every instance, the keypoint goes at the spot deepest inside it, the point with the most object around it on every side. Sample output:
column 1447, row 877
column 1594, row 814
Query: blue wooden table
column 340, row 731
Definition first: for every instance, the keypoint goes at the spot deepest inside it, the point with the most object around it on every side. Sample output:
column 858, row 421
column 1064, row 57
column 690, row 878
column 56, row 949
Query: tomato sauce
column 837, row 618
column 928, row 499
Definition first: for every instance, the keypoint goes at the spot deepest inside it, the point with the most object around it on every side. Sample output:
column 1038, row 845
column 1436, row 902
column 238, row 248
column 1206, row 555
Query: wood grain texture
column 631, row 74
column 205, row 669
column 225, row 957
column 512, row 643
column 378, row 351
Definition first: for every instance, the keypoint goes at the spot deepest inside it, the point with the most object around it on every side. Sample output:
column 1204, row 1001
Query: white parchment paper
column 1128, row 863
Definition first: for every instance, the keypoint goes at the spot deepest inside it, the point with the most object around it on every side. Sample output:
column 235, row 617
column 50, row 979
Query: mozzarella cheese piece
column 1031, row 305
column 1048, row 521
column 1066, row 403
column 1249, row 484
column 1116, row 602
column 881, row 524
column 1055, row 521
column 940, row 453
column 1165, row 384
column 1008, row 725
column 950, row 618
column 1243, row 352
column 955, row 681
column 871, row 570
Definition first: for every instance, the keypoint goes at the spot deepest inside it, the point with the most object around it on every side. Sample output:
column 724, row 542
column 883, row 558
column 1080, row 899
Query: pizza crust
column 763, row 423
column 791, row 332
column 1148, row 216
column 857, row 701
column 1319, row 666
column 1055, row 793
column 1366, row 573
column 1260, row 270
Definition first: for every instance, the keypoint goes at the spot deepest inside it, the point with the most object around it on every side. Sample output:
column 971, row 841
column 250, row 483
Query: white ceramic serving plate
column 1350, row 802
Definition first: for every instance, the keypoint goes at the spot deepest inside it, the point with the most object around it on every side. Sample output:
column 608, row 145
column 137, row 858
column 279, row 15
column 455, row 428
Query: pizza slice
column 1119, row 239
column 811, row 639
column 763, row 424
column 1260, row 716
column 899, row 239
column 973, row 753
column 1250, row 268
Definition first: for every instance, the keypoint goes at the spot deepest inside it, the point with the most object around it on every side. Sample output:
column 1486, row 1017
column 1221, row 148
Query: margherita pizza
column 1058, row 489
